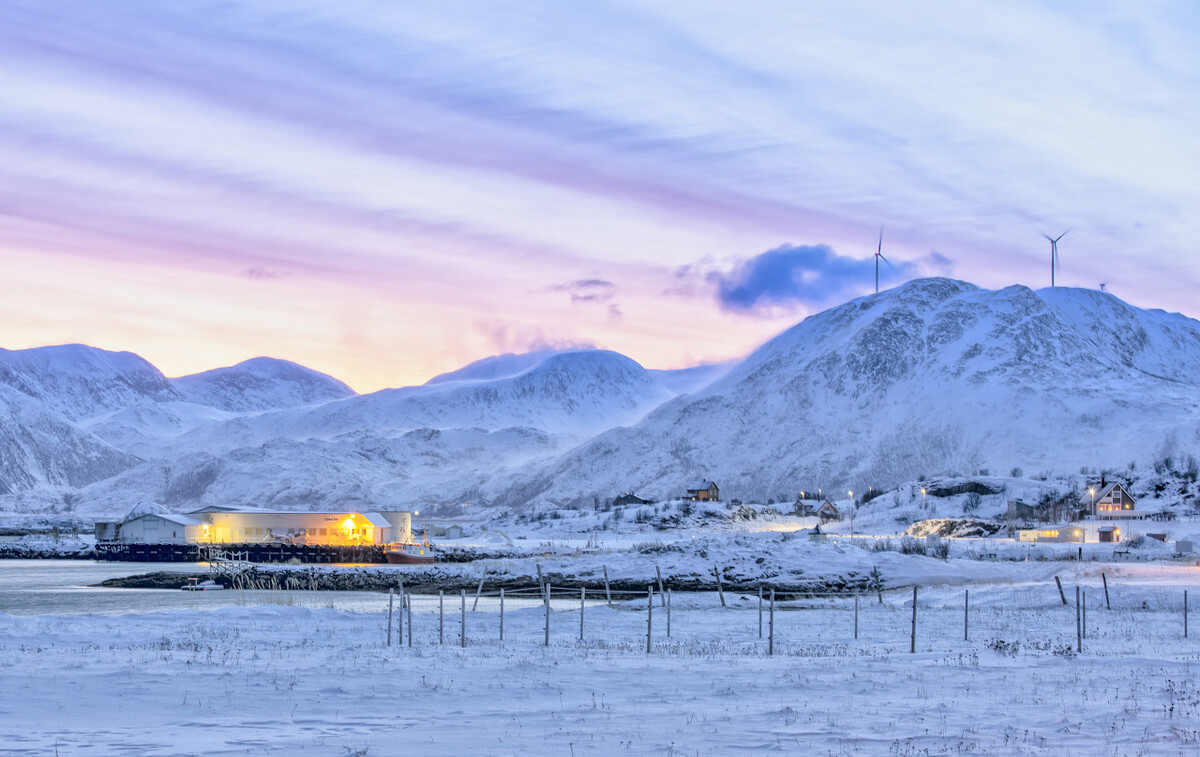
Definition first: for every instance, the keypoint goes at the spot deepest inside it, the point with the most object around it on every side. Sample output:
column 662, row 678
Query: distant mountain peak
column 260, row 383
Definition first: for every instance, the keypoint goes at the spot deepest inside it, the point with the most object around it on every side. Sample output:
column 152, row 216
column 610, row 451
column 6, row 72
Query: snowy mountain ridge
column 937, row 376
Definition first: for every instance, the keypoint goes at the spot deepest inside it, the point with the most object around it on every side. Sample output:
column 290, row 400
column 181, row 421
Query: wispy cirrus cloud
column 483, row 157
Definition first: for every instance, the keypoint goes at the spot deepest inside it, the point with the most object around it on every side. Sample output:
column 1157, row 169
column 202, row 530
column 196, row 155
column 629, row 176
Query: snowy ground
column 314, row 681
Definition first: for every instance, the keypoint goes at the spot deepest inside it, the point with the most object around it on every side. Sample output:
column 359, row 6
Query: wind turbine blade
column 1048, row 237
column 888, row 262
column 879, row 248
column 1060, row 236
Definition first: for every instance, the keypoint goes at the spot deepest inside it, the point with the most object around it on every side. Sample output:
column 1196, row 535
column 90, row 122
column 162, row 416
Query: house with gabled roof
column 705, row 491
column 815, row 508
column 1114, row 502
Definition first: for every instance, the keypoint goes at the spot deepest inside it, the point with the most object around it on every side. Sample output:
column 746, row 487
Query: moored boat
column 409, row 554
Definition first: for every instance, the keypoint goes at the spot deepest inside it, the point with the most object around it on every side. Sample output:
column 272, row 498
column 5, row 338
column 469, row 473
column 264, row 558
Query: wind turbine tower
column 879, row 256
column 1053, row 253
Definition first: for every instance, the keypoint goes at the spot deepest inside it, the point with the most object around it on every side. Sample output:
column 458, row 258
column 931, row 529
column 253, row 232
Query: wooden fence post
column 389, row 620
column 1083, row 610
column 408, row 614
column 501, row 614
column 912, row 645
column 1107, row 604
column 856, row 615
column 720, row 591
column 662, row 593
column 478, row 591
column 582, row 600
column 1061, row 593
column 462, row 630
column 966, row 614
column 771, row 627
column 669, row 613
column 649, row 615
column 1185, row 613
column 607, row 592
column 1079, row 625
column 546, row 596
column 441, row 616
column 760, row 612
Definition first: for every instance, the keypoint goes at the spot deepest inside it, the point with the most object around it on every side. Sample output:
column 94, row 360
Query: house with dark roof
column 705, row 491
column 816, row 508
column 1113, row 502
column 629, row 498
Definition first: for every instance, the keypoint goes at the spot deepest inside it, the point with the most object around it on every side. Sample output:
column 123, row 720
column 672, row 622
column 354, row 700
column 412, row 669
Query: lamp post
column 1092, row 492
column 923, row 507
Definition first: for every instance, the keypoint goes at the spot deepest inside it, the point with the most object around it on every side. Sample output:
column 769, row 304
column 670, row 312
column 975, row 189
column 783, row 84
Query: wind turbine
column 1103, row 284
column 879, row 256
column 1053, row 253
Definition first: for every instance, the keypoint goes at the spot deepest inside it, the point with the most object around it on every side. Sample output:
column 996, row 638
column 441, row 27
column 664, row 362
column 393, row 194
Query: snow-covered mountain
column 567, row 393
column 262, row 383
column 936, row 376
column 77, row 381
column 39, row 448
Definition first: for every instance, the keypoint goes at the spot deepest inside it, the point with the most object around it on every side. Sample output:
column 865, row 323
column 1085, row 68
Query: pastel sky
column 387, row 190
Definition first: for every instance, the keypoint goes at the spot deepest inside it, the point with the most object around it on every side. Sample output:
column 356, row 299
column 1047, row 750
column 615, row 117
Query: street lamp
column 1093, row 493
column 923, row 498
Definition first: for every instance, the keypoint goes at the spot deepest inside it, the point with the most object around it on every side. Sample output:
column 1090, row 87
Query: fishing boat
column 409, row 553
column 195, row 584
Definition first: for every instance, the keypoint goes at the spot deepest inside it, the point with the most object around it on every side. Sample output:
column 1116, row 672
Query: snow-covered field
column 278, row 679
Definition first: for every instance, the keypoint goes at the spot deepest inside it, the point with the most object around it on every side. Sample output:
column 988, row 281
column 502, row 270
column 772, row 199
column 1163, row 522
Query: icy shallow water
column 66, row 587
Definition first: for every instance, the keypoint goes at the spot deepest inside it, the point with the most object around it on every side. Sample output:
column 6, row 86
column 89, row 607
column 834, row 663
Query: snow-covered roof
column 377, row 520
column 181, row 520
column 145, row 508
column 229, row 509
column 701, row 486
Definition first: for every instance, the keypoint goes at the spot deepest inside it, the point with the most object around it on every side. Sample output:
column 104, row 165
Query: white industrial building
column 227, row 525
